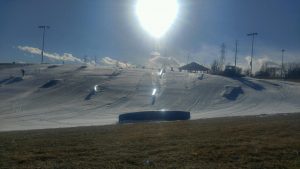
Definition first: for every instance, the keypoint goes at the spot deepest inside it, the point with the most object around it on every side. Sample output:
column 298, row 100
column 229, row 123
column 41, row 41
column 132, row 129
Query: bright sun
column 156, row 16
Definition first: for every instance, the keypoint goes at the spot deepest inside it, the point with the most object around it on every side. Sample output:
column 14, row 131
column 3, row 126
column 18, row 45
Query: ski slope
column 63, row 96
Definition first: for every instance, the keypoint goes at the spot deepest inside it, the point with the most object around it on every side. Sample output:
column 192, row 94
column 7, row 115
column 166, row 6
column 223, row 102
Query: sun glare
column 156, row 16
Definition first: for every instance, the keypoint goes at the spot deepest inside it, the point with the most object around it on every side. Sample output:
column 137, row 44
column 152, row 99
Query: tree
column 215, row 67
column 222, row 57
column 293, row 71
column 263, row 72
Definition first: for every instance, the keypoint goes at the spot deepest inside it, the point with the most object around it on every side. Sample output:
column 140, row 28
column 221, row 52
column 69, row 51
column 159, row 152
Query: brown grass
column 238, row 142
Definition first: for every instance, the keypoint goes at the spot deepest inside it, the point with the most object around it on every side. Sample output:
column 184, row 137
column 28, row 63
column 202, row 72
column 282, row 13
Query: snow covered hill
column 51, row 96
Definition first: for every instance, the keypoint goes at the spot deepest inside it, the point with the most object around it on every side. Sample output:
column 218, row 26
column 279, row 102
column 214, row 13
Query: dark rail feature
column 146, row 116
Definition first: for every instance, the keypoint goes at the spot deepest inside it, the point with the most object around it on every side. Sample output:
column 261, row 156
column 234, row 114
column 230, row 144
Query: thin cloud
column 52, row 56
column 156, row 61
column 113, row 62
column 258, row 62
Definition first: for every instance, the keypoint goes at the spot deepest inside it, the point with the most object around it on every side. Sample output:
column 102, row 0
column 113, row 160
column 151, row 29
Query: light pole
column 282, row 62
column 235, row 55
column 253, row 35
column 44, row 27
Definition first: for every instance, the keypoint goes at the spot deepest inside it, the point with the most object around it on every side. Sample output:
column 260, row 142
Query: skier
column 23, row 72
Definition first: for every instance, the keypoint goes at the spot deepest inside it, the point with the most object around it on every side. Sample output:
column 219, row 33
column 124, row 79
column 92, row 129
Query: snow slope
column 63, row 96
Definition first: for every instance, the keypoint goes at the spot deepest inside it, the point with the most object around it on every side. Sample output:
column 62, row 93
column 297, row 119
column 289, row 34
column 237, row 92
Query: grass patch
column 237, row 142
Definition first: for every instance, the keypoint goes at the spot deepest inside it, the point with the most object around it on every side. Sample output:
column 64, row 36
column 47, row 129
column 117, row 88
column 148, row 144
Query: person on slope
column 23, row 72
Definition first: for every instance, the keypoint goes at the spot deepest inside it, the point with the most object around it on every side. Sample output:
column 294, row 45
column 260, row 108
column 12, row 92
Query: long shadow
column 14, row 80
column 5, row 80
column 89, row 96
column 249, row 83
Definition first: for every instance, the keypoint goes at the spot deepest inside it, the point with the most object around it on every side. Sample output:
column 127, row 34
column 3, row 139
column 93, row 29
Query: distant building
column 194, row 67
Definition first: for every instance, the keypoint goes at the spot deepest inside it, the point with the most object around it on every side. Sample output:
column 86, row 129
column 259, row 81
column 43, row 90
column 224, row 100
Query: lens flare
column 154, row 92
column 96, row 88
column 156, row 16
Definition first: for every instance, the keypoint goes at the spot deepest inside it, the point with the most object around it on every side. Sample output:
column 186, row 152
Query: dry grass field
column 227, row 143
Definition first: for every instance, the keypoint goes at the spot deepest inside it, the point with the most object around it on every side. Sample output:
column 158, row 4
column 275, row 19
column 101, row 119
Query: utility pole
column 188, row 58
column 236, row 50
column 251, row 62
column 282, row 63
column 44, row 27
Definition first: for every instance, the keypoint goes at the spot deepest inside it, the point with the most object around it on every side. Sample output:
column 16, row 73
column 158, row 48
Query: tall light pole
column 235, row 55
column 253, row 35
column 44, row 27
column 222, row 57
column 282, row 62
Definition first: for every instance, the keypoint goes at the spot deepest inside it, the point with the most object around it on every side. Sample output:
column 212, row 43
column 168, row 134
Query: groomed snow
column 72, row 101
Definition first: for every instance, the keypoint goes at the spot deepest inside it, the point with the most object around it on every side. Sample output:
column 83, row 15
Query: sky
column 110, row 28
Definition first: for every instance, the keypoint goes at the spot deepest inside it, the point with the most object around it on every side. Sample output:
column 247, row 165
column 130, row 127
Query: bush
column 262, row 74
column 293, row 73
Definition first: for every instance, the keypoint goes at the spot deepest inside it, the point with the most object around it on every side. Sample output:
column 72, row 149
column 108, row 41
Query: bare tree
column 215, row 67
column 222, row 57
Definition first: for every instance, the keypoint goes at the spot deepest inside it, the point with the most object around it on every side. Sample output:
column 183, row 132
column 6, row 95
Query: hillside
column 51, row 96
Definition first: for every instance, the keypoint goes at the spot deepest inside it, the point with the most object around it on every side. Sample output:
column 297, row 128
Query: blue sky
column 109, row 28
